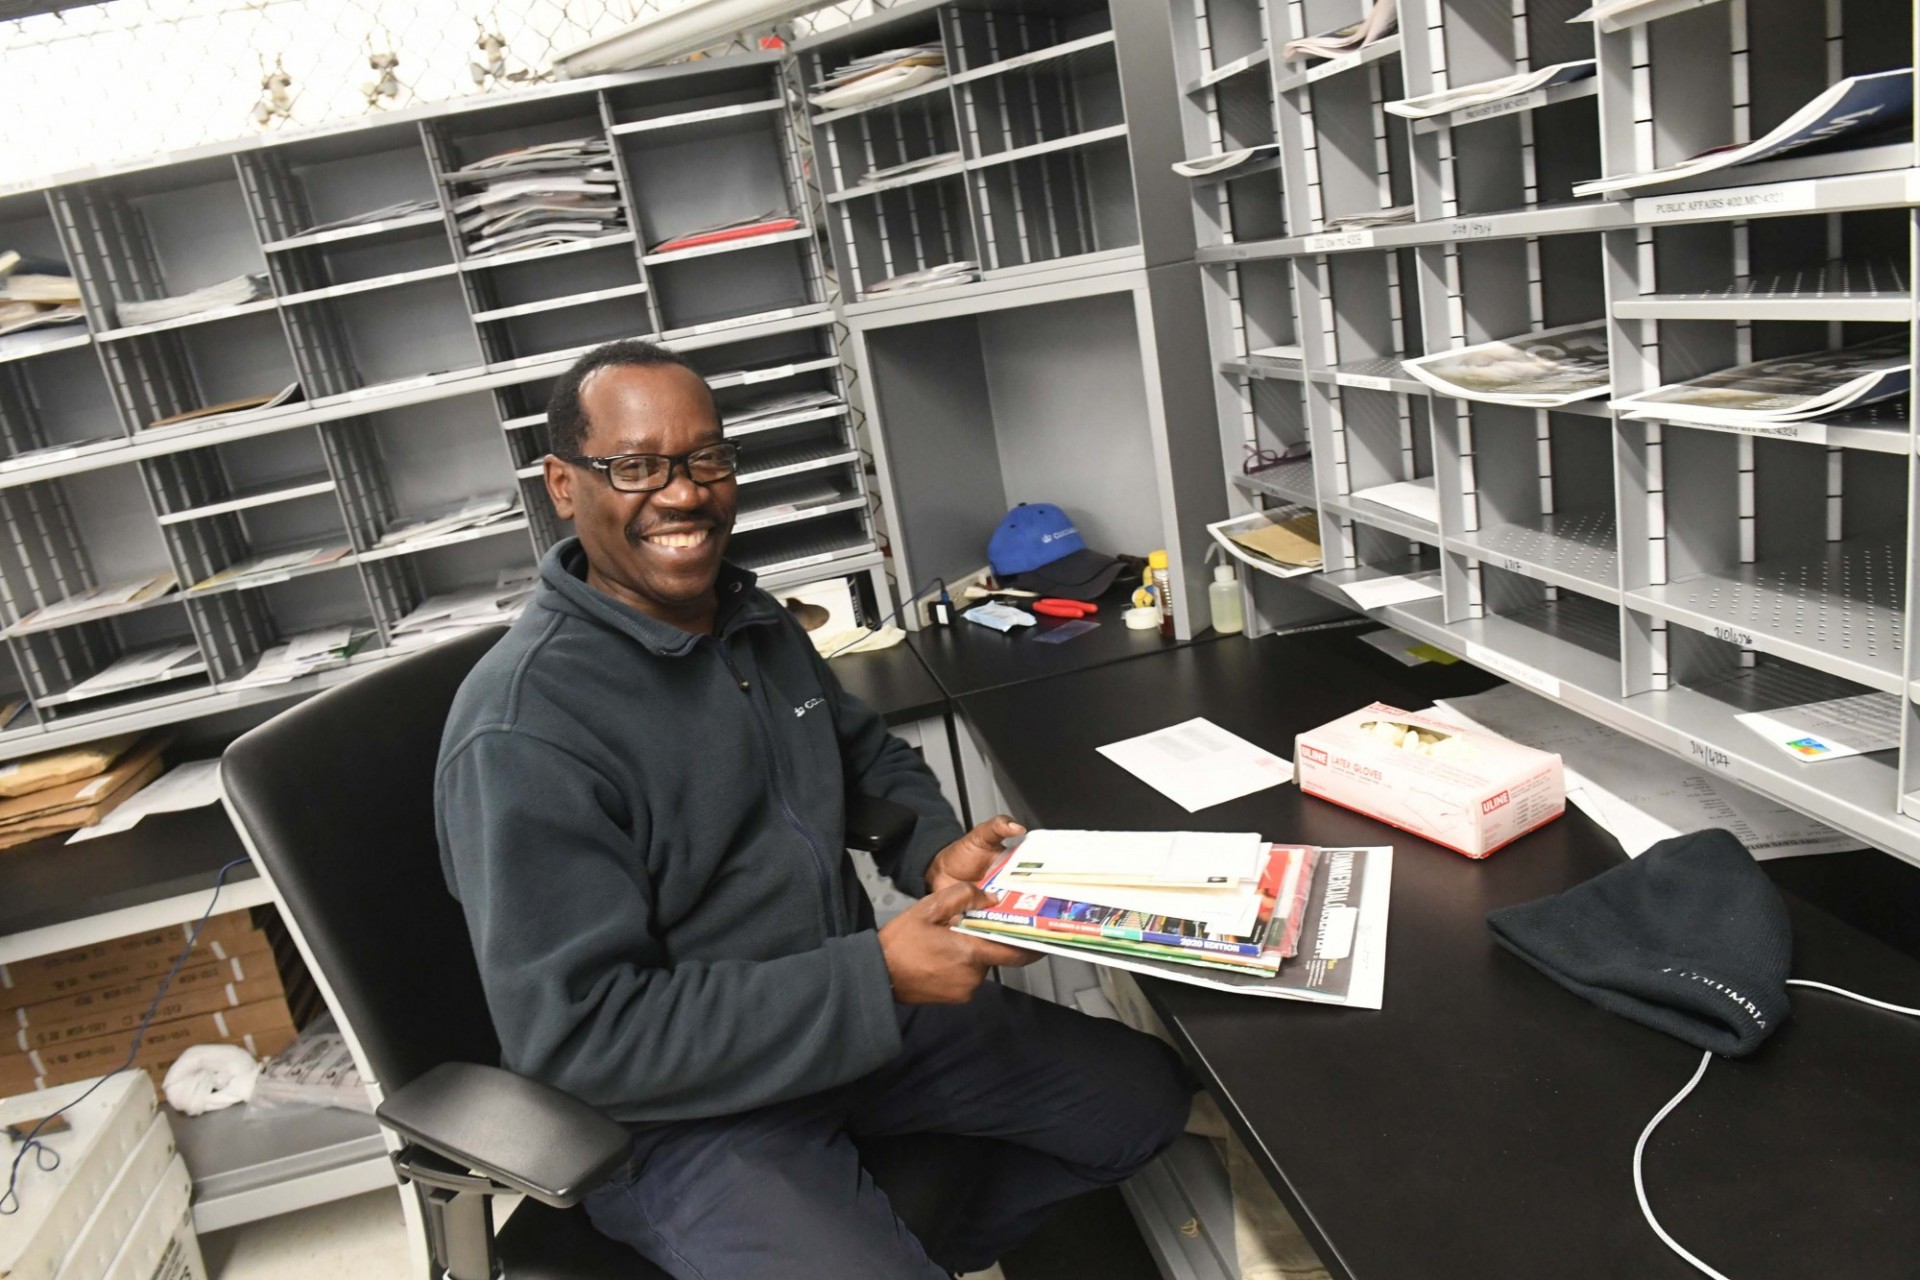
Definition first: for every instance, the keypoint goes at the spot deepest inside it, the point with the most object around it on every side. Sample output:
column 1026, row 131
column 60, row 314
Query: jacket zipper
column 822, row 871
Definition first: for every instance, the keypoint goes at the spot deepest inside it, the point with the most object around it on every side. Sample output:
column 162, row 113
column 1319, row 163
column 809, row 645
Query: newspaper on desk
column 1543, row 370
column 1638, row 793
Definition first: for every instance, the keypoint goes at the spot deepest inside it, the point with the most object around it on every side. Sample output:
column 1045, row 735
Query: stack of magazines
column 214, row 297
column 35, row 293
column 1382, row 20
column 962, row 272
column 879, row 75
column 1546, row 370
column 1783, row 391
column 538, row 197
column 1223, row 910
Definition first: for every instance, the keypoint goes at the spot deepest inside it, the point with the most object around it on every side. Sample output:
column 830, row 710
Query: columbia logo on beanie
column 1691, row 938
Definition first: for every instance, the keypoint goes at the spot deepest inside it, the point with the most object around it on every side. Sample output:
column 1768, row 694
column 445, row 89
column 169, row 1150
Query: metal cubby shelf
column 1787, row 572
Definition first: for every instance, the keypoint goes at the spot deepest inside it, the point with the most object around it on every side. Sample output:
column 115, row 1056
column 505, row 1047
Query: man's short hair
column 567, row 425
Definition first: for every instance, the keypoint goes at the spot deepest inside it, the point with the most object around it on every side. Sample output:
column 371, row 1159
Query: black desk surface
column 1482, row 1125
column 969, row 658
column 893, row 682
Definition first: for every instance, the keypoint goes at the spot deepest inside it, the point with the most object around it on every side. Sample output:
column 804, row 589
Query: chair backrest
column 335, row 797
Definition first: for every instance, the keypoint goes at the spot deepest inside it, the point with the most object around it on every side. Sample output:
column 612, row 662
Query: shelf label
column 1502, row 107
column 1233, row 68
column 1333, row 68
column 1511, row 565
column 1518, row 672
column 1363, row 382
column 1234, row 251
column 1805, row 432
column 1470, row 229
column 1776, row 197
column 1734, row 635
column 1712, row 757
column 1332, row 240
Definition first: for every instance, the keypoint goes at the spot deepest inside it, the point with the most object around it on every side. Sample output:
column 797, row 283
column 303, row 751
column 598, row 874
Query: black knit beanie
column 1690, row 938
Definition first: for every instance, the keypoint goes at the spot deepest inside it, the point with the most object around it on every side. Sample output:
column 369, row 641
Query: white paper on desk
column 186, row 786
column 1828, row 730
column 1377, row 593
column 1639, row 793
column 1197, row 764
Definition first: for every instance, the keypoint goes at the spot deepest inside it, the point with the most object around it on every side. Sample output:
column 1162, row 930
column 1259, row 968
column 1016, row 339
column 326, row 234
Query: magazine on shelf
column 1203, row 166
column 400, row 209
column 769, row 223
column 1789, row 389
column 1264, row 931
column 1381, row 20
column 1490, row 91
column 471, row 513
column 1284, row 542
column 206, row 414
column 538, row 197
column 18, row 317
column 273, row 565
column 879, row 75
column 1535, row 371
column 106, row 598
column 962, row 272
column 1342, row 951
column 873, row 176
column 214, row 297
column 1856, row 112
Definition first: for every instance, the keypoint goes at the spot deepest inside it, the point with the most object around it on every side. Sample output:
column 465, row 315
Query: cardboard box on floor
column 176, row 1004
column 262, row 1029
column 127, row 959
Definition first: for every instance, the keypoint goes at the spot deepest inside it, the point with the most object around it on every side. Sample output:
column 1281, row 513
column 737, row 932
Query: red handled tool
column 1054, row 607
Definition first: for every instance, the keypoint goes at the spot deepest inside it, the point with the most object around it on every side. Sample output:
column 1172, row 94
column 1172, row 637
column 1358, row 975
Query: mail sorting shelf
column 53, row 391
column 1343, row 154
column 1514, row 153
column 1227, row 105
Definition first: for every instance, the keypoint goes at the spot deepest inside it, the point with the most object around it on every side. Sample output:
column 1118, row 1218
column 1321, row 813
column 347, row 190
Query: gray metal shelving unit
column 1784, row 572
column 424, row 369
column 425, row 372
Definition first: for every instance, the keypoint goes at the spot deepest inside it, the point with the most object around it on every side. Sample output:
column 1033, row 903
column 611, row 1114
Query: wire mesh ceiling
column 107, row 83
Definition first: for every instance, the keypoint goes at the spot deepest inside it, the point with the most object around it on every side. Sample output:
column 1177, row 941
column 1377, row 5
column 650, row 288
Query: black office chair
column 334, row 799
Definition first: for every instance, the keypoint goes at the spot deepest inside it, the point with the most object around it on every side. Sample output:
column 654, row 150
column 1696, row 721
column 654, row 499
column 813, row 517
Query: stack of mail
column 1191, row 897
column 471, row 514
column 214, row 297
column 36, row 293
column 302, row 655
column 443, row 617
column 879, row 75
column 538, row 197
column 149, row 666
column 963, row 272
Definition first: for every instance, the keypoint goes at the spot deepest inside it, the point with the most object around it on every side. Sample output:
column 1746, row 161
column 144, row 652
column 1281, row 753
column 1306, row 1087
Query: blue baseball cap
column 1036, row 548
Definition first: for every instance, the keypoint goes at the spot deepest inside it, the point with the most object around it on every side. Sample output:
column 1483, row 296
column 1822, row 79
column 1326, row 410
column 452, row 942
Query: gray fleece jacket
column 645, row 830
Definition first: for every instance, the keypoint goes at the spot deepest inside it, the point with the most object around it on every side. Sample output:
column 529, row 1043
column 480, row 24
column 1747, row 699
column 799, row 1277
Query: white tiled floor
column 360, row 1238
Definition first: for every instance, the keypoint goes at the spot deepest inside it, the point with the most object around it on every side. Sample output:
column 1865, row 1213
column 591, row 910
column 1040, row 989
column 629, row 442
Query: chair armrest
column 878, row 825
column 526, row 1135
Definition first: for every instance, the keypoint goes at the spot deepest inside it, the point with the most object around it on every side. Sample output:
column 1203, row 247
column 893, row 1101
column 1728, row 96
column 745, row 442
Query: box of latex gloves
column 1465, row 789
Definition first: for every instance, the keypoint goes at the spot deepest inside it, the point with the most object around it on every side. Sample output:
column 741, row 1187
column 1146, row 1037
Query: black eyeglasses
column 645, row 472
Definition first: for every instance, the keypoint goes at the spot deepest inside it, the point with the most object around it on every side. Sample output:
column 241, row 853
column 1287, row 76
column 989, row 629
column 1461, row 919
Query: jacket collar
column 564, row 589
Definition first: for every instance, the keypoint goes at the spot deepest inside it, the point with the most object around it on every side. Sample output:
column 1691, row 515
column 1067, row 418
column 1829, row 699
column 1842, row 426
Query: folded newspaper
column 1381, row 20
column 1220, row 161
column 1790, row 389
column 1491, row 91
column 1535, row 371
column 1856, row 112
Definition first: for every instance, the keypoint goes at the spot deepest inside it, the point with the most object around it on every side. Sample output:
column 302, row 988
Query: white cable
column 1640, row 1147
column 1854, row 995
column 1640, row 1186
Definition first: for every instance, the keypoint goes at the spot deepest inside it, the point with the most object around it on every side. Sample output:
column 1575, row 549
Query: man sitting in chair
column 641, row 801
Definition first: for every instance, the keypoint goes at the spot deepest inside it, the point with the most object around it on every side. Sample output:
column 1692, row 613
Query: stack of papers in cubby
column 214, row 297
column 35, row 293
column 1381, row 20
column 539, row 197
column 443, row 617
column 963, row 272
column 302, row 655
column 776, row 405
column 470, row 514
column 1788, row 389
column 901, row 170
column 880, row 75
column 274, row 566
column 770, row 222
column 108, row 598
column 401, row 209
column 206, row 415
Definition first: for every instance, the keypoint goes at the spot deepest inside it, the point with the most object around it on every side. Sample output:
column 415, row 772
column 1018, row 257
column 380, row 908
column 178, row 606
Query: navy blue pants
column 1077, row 1102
